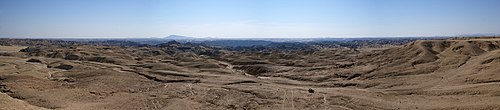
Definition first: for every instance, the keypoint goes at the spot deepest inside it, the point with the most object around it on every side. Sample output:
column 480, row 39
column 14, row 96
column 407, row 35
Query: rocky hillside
column 423, row 74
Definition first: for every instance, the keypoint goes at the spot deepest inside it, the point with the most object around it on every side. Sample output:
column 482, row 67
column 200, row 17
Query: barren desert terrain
column 423, row 74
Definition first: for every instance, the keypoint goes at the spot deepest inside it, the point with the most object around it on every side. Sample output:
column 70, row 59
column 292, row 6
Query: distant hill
column 178, row 37
column 236, row 43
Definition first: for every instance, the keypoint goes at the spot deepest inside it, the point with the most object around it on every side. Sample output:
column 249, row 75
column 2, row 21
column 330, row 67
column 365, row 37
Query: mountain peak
column 178, row 37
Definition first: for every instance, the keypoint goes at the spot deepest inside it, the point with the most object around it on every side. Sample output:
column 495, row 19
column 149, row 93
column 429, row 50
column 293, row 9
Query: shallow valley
column 421, row 74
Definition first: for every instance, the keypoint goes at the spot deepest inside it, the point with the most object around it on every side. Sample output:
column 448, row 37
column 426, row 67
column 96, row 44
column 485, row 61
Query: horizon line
column 194, row 37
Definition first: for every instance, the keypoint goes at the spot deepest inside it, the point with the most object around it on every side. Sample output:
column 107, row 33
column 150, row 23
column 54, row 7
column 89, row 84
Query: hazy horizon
column 314, row 37
column 247, row 18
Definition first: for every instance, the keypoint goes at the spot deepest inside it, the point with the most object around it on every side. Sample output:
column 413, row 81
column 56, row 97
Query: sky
column 246, row 18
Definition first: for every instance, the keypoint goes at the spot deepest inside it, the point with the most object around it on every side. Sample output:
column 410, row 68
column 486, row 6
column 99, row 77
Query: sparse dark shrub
column 34, row 61
column 310, row 90
column 72, row 57
column 64, row 67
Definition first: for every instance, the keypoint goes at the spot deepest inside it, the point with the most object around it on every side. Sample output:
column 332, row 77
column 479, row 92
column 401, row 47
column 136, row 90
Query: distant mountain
column 178, row 37
column 478, row 35
column 236, row 43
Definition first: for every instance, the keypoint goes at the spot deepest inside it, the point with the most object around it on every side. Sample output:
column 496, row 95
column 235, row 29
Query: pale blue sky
column 247, row 18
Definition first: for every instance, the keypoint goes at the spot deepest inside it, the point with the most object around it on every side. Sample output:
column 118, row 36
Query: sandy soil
column 11, row 48
column 438, row 74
